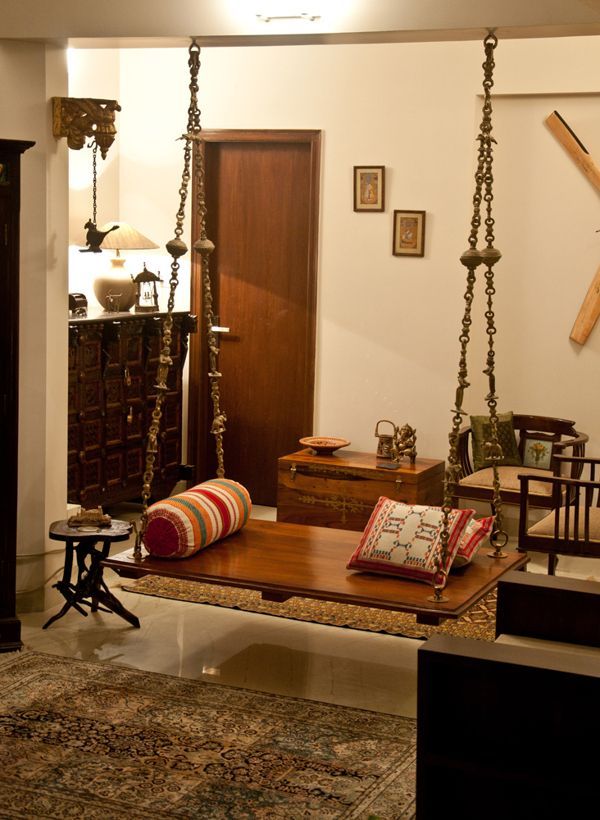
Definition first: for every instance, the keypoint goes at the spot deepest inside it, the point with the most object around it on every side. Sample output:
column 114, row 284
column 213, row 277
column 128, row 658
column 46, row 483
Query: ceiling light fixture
column 267, row 18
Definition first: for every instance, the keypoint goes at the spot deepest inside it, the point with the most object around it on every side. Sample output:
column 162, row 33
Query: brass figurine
column 405, row 441
column 398, row 444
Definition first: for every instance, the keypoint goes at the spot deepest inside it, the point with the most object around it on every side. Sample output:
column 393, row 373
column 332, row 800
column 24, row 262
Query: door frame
column 198, row 383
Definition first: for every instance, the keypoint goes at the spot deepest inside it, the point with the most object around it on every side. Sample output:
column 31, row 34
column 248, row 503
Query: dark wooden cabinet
column 10, row 195
column 113, row 360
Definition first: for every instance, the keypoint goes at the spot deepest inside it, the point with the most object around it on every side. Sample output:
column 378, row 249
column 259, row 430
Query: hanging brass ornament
column 78, row 119
column 94, row 237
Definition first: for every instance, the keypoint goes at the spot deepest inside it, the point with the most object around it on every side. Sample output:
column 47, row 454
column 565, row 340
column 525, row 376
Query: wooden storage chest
column 340, row 490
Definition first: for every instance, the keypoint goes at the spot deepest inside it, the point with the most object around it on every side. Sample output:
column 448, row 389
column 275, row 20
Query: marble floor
column 243, row 649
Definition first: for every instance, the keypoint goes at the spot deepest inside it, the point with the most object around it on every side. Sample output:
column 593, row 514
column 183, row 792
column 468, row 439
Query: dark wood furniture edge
column 482, row 749
column 549, row 608
column 10, row 625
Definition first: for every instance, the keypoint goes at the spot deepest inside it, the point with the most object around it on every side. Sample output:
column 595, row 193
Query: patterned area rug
column 478, row 622
column 103, row 742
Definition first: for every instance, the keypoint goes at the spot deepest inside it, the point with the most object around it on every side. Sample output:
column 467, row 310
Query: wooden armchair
column 562, row 436
column 573, row 526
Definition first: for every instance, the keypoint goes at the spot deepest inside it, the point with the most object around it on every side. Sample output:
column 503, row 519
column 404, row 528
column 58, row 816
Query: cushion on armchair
column 405, row 540
column 545, row 527
column 182, row 524
column 481, row 430
column 509, row 479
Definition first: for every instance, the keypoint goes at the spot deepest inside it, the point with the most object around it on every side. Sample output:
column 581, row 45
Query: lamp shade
column 115, row 288
column 125, row 238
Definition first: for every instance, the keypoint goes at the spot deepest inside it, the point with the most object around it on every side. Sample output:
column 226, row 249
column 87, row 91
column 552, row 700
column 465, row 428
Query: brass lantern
column 146, row 295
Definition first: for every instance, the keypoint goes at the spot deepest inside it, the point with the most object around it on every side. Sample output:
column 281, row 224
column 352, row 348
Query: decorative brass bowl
column 324, row 445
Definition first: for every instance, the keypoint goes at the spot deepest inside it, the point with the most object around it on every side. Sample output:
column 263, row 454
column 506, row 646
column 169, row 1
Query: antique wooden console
column 341, row 490
column 113, row 362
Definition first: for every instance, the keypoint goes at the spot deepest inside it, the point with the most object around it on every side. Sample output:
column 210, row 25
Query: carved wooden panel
column 112, row 372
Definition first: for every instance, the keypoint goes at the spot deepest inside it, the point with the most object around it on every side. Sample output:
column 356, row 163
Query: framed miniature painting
column 537, row 452
column 409, row 233
column 369, row 187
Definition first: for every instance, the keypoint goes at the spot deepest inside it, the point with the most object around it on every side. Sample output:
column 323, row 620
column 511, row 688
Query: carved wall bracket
column 79, row 118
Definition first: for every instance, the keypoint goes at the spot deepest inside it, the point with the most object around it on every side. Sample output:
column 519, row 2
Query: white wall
column 31, row 74
column 388, row 326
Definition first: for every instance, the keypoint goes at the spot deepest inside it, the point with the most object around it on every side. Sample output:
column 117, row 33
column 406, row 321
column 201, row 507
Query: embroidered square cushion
column 474, row 535
column 182, row 524
column 481, row 432
column 405, row 540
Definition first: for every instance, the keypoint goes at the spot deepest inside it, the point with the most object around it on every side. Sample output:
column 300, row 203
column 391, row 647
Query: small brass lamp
column 146, row 295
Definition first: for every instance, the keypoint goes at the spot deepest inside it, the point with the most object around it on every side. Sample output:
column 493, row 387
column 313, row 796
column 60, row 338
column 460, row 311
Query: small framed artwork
column 369, row 187
column 537, row 452
column 409, row 233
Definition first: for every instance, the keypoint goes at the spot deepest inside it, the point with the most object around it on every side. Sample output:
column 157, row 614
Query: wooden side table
column 340, row 490
column 89, row 588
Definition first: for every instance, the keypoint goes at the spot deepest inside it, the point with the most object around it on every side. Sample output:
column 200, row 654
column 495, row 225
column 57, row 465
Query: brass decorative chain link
column 176, row 247
column 94, row 180
column 205, row 247
column 471, row 259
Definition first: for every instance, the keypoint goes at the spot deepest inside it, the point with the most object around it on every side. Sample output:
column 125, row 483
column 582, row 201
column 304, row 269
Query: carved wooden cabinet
column 113, row 360
column 10, row 195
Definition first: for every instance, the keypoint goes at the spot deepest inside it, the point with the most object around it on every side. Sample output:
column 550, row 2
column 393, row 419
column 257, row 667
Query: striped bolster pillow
column 182, row 524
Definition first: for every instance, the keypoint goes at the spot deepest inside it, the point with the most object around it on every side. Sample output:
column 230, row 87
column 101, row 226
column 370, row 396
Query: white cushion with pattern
column 405, row 540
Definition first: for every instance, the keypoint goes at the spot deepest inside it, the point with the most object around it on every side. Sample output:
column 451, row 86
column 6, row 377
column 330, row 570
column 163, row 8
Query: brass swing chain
column 94, row 180
column 205, row 247
column 176, row 247
column 471, row 259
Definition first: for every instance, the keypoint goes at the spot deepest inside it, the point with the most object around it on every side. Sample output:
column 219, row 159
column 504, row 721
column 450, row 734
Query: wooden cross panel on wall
column 590, row 308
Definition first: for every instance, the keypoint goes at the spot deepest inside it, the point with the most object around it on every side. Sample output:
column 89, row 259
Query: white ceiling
column 234, row 22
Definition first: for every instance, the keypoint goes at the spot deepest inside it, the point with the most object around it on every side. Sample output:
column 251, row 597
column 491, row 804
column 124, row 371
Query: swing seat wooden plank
column 283, row 560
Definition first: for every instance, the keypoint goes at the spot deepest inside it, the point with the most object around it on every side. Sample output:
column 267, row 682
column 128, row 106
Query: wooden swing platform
column 285, row 560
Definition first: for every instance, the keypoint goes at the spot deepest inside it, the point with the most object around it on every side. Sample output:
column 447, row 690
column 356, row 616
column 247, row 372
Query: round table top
column 117, row 531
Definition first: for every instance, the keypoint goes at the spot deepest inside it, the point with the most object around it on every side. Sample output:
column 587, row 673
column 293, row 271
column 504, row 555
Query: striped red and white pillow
column 475, row 533
column 183, row 524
